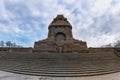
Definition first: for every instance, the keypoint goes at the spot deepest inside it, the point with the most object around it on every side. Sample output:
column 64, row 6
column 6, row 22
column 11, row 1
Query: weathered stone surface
column 12, row 76
column 60, row 65
column 60, row 38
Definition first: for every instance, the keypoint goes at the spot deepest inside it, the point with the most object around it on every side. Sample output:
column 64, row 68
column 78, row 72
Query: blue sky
column 26, row 21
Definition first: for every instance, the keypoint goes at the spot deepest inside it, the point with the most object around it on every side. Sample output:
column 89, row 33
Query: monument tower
column 60, row 38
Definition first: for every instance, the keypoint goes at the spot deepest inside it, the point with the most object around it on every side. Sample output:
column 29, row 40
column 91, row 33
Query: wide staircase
column 60, row 65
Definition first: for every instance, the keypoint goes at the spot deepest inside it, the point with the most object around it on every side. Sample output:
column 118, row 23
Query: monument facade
column 60, row 38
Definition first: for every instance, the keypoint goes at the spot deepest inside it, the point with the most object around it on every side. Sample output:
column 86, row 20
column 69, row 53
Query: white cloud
column 3, row 13
column 92, row 20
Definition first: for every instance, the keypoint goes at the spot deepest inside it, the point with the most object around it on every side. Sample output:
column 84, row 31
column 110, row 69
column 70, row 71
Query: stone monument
column 60, row 38
column 50, row 57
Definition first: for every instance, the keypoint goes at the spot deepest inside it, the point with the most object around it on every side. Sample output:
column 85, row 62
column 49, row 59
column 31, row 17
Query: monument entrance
column 60, row 36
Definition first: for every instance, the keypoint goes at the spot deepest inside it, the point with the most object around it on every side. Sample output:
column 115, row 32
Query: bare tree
column 2, row 44
column 8, row 43
column 117, row 44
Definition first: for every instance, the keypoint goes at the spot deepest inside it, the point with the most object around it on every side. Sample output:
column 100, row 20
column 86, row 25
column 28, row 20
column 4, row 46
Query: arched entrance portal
column 60, row 36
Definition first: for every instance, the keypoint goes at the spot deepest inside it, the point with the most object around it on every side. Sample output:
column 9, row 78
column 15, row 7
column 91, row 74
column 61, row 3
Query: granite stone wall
column 30, row 50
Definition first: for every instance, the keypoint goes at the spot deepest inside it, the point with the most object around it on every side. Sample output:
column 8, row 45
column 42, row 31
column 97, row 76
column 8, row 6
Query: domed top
column 60, row 20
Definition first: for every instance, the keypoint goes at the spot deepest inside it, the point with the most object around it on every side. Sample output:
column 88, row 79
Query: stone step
column 61, row 65
column 60, row 73
column 23, row 68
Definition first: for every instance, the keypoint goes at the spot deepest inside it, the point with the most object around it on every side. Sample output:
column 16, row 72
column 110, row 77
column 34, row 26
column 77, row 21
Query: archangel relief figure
column 60, row 46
